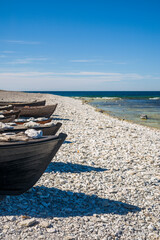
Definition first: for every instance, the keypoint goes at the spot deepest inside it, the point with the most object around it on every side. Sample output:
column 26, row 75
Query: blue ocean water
column 126, row 105
column 100, row 94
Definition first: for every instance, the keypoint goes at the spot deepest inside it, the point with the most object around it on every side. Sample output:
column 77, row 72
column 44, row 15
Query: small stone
column 28, row 223
column 11, row 218
column 44, row 224
column 5, row 226
column 103, row 219
column 100, row 128
column 151, row 227
column 51, row 230
column 69, row 238
column 130, row 172
column 119, row 233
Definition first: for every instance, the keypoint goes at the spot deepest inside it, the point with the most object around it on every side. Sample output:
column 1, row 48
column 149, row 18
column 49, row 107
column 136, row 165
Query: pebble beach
column 104, row 182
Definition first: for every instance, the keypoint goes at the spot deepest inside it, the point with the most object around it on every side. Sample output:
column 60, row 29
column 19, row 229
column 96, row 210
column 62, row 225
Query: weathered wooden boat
column 23, row 163
column 8, row 119
column 40, row 111
column 22, row 104
column 11, row 113
column 9, row 107
column 47, row 130
column 40, row 122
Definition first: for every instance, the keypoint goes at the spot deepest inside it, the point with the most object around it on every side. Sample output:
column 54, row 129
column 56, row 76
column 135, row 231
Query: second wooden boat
column 40, row 111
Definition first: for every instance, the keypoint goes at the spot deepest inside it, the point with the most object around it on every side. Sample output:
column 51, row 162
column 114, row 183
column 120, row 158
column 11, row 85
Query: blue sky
column 80, row 45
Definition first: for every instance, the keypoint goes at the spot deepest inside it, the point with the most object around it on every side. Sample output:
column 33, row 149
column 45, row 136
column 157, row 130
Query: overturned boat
column 23, row 163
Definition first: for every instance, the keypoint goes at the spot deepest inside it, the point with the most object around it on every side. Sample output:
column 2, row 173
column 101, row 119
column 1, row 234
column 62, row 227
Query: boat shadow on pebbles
column 43, row 202
column 61, row 119
column 72, row 168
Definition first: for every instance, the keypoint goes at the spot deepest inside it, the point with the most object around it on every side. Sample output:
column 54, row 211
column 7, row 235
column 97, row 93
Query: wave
column 106, row 98
column 115, row 98
column 99, row 98
column 111, row 98
column 154, row 98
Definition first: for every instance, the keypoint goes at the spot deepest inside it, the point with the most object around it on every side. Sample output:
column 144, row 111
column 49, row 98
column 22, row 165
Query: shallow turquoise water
column 129, row 105
column 132, row 109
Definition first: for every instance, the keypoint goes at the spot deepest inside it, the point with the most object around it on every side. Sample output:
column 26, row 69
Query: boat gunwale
column 18, row 104
column 36, row 107
column 32, row 141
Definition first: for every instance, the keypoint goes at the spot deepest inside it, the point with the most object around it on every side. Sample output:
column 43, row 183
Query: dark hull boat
column 11, row 113
column 23, row 163
column 8, row 119
column 22, row 104
column 47, row 130
column 40, row 111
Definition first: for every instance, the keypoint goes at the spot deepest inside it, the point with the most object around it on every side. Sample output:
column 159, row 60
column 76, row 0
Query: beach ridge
column 102, row 184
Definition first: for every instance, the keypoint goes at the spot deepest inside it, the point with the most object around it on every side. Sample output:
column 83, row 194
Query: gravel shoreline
column 102, row 184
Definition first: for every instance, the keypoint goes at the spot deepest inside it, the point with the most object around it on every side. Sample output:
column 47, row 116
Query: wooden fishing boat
column 40, row 111
column 40, row 122
column 22, row 104
column 47, row 130
column 8, row 119
column 9, row 107
column 23, row 163
column 11, row 113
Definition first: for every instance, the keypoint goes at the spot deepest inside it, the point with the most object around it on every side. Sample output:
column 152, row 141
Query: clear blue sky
column 80, row 45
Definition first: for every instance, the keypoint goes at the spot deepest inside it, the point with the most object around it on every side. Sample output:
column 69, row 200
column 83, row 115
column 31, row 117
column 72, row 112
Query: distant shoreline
column 84, row 100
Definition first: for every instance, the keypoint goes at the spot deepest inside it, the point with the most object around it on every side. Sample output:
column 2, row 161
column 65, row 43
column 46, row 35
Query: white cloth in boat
column 50, row 124
column 5, row 126
column 21, row 136
column 20, row 120
column 31, row 124
column 32, row 133
column 12, row 137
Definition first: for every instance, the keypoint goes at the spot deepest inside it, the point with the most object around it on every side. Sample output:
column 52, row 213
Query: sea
column 128, row 105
